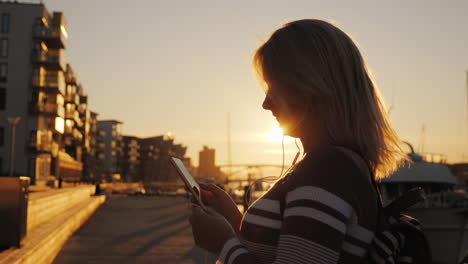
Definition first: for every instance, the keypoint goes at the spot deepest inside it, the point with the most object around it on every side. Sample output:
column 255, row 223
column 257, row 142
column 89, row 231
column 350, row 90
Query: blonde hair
column 321, row 63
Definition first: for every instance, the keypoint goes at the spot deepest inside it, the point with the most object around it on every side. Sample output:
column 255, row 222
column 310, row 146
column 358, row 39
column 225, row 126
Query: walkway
column 135, row 230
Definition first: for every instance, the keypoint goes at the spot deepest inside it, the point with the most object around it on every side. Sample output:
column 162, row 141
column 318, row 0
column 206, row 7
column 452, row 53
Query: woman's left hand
column 210, row 229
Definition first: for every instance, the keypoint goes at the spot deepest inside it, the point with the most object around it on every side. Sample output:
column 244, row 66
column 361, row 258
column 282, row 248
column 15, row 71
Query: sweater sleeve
column 319, row 222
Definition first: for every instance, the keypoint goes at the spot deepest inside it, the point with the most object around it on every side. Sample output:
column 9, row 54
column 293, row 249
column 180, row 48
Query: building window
column 5, row 23
column 2, row 98
column 3, row 72
column 2, row 136
column 3, row 47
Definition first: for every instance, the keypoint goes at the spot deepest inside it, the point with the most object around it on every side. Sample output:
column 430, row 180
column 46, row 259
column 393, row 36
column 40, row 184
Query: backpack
column 399, row 238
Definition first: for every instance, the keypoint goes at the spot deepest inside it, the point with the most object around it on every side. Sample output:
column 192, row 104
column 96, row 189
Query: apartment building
column 109, row 142
column 91, row 161
column 42, row 94
column 130, row 159
column 155, row 153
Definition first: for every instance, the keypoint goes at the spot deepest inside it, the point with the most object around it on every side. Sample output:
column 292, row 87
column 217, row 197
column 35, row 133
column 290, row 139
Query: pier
column 135, row 230
column 72, row 225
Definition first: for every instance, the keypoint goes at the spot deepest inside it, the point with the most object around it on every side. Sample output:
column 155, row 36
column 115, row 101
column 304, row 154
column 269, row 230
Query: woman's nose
column 266, row 103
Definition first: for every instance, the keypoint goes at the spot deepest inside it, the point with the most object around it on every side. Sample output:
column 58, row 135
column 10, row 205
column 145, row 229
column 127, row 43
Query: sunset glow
column 276, row 135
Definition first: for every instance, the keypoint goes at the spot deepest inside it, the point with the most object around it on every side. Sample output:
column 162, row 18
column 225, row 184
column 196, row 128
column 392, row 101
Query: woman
column 325, row 211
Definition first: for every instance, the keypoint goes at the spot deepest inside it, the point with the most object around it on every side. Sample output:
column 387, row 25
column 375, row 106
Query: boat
column 444, row 212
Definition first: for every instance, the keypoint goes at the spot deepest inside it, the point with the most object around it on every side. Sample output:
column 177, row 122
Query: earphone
column 272, row 179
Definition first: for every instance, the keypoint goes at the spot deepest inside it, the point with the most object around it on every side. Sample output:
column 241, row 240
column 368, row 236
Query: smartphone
column 189, row 181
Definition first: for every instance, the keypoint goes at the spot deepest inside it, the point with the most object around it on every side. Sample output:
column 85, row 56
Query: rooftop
column 422, row 172
column 110, row 121
column 29, row 2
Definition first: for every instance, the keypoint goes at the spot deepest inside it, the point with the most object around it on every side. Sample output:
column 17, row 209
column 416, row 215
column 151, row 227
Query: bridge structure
column 246, row 165
column 252, row 171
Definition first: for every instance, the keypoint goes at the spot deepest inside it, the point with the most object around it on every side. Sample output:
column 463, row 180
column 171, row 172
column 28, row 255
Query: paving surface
column 135, row 230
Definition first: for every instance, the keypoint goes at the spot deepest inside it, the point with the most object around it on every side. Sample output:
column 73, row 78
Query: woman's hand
column 210, row 229
column 223, row 204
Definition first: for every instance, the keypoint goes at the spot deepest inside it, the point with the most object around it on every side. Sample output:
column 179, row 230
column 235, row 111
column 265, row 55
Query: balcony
column 72, row 136
column 83, row 99
column 72, row 98
column 69, row 167
column 47, row 109
column 71, row 78
column 52, row 60
column 68, row 127
column 73, row 115
column 67, row 140
column 55, row 38
column 61, row 111
column 82, row 124
column 41, row 140
column 77, row 135
column 79, row 122
column 50, row 81
column 82, row 110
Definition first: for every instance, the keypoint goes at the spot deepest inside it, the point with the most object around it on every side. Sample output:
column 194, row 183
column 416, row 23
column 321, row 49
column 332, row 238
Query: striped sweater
column 325, row 211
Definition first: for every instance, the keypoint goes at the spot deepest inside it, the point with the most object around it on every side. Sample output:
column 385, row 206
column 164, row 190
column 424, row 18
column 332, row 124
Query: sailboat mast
column 229, row 158
column 466, row 116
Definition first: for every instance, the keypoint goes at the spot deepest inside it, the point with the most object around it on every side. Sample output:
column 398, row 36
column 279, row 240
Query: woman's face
column 285, row 108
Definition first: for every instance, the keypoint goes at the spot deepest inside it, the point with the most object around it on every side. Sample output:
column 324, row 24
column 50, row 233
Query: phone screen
column 189, row 181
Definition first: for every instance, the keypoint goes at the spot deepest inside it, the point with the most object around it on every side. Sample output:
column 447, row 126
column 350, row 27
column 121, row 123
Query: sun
column 276, row 135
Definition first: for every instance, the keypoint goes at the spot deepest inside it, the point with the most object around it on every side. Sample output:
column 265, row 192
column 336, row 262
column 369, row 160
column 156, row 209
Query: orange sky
column 182, row 66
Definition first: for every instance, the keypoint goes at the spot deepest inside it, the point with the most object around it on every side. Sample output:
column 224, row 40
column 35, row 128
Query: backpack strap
column 364, row 166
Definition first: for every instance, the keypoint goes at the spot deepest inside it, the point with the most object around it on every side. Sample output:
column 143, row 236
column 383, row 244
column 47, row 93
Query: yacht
column 444, row 212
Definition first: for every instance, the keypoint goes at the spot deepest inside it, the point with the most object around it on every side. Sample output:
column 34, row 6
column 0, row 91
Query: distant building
column 109, row 140
column 207, row 167
column 130, row 159
column 155, row 153
column 75, row 137
column 37, row 85
column 91, row 162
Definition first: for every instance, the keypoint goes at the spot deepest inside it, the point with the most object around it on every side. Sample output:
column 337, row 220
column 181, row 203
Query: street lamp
column 13, row 121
